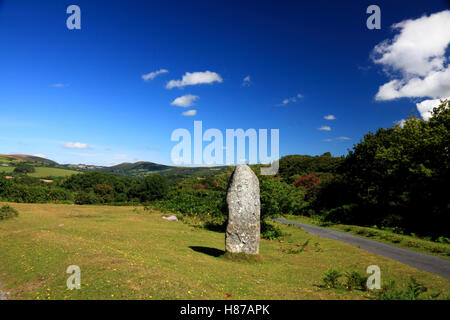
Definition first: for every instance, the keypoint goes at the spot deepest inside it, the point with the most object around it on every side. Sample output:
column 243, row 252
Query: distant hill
column 134, row 169
column 25, row 157
column 143, row 168
column 137, row 169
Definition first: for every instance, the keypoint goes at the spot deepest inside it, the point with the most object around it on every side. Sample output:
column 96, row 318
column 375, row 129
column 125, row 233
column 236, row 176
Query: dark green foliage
column 204, row 198
column 98, row 187
column 396, row 177
column 270, row 232
column 279, row 198
column 83, row 197
column 7, row 212
column 331, row 279
column 355, row 280
column 153, row 187
column 25, row 189
column 300, row 165
column 134, row 169
column 414, row 291
column 24, row 168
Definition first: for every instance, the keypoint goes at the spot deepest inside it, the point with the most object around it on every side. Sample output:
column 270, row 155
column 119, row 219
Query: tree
column 24, row 168
column 398, row 177
column 152, row 187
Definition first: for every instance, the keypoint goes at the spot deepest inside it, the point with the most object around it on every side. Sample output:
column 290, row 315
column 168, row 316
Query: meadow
column 43, row 172
column 132, row 253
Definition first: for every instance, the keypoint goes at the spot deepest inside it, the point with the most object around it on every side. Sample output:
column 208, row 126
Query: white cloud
column 76, row 145
column 189, row 113
column 153, row 75
column 324, row 128
column 425, row 107
column 337, row 139
column 40, row 155
column 58, row 85
column 185, row 101
column 194, row 78
column 418, row 55
column 246, row 82
column 329, row 117
column 420, row 46
column 400, row 122
column 435, row 85
column 290, row 100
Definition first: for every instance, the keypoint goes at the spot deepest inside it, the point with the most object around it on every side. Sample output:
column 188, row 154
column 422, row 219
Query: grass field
column 42, row 172
column 404, row 241
column 6, row 170
column 129, row 253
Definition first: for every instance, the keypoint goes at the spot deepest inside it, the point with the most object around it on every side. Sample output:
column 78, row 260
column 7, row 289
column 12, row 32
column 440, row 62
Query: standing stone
column 244, row 206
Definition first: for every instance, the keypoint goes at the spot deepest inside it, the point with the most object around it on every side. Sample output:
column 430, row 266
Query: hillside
column 44, row 168
column 23, row 157
column 134, row 169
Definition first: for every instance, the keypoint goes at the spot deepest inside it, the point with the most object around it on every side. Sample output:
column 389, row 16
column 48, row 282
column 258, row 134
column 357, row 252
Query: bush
column 83, row 197
column 355, row 280
column 413, row 291
column 153, row 187
column 24, row 168
column 279, row 198
column 205, row 204
column 7, row 212
column 270, row 232
column 331, row 279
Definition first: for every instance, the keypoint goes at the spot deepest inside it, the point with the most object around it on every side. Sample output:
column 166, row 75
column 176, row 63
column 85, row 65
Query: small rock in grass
column 170, row 218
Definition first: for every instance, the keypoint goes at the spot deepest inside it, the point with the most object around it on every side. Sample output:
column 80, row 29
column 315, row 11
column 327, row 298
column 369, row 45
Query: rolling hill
column 137, row 169
column 24, row 157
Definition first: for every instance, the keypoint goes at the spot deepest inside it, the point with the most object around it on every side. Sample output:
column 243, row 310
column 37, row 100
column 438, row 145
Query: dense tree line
column 86, row 188
column 395, row 177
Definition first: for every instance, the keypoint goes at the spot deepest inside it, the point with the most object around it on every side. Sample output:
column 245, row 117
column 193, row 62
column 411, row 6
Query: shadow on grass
column 216, row 227
column 209, row 251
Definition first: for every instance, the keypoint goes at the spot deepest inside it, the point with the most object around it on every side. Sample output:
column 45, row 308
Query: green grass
column 52, row 172
column 129, row 253
column 42, row 172
column 5, row 160
column 6, row 170
column 414, row 243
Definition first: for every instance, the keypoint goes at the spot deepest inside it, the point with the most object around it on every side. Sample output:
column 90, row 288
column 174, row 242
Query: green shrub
column 205, row 204
column 414, row 291
column 355, row 280
column 270, row 232
column 83, row 197
column 7, row 212
column 331, row 279
column 279, row 198
column 24, row 168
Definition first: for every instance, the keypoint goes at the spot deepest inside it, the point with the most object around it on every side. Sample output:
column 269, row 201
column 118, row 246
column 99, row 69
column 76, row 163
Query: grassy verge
column 429, row 247
column 132, row 253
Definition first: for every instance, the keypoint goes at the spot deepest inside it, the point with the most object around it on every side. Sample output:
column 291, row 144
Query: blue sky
column 78, row 96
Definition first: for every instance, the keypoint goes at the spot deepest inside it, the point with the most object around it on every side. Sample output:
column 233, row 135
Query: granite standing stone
column 244, row 206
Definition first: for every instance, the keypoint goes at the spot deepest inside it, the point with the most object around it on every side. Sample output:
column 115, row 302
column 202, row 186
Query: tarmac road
column 421, row 261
